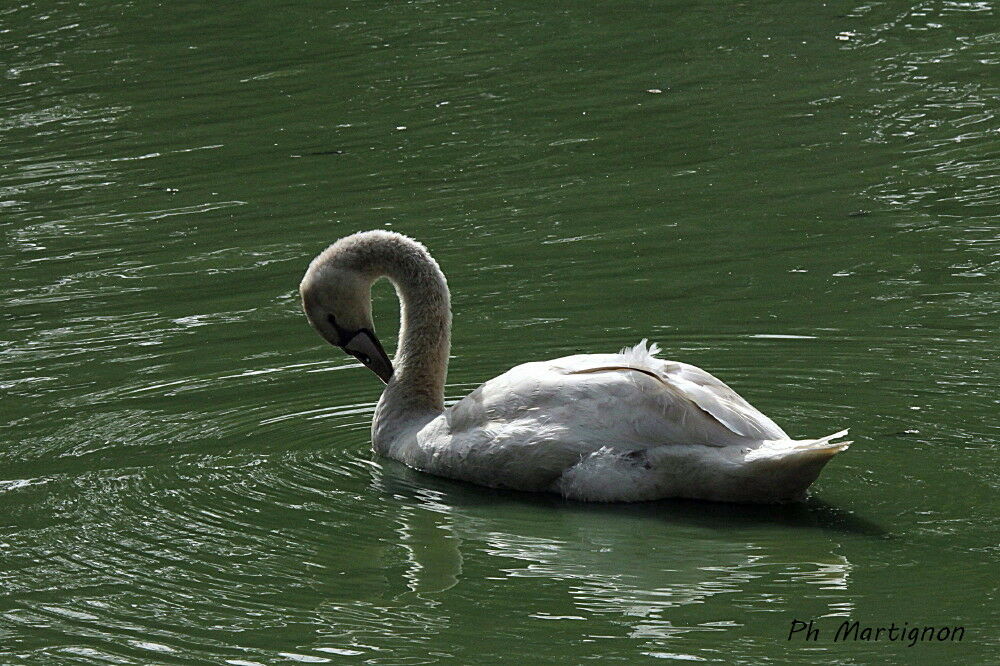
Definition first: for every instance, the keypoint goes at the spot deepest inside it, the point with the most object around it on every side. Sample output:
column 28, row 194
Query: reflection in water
column 433, row 547
column 605, row 560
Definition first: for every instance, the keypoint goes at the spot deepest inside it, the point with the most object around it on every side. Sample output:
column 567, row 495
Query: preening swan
column 598, row 427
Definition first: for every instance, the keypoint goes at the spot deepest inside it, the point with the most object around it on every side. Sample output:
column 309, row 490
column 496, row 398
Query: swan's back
column 632, row 396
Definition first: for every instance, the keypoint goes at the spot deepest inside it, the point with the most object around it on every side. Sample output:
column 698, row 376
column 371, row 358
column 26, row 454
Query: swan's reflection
column 630, row 564
column 427, row 533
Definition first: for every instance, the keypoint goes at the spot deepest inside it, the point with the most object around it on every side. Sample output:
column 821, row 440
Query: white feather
column 641, row 356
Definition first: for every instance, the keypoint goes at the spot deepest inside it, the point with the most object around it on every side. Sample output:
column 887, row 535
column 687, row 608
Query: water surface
column 802, row 200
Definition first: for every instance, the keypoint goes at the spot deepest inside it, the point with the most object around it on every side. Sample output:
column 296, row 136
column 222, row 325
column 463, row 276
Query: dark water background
column 801, row 198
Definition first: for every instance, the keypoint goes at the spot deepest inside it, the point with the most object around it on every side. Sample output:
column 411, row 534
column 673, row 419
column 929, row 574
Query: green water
column 807, row 208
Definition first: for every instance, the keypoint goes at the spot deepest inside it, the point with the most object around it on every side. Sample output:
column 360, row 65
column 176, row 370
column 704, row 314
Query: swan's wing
column 722, row 402
column 685, row 382
column 666, row 402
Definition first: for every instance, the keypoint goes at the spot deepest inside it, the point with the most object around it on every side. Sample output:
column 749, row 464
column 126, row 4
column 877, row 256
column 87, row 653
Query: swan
column 594, row 427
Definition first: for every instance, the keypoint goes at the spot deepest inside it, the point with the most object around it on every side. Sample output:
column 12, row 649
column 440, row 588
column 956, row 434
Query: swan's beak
column 366, row 347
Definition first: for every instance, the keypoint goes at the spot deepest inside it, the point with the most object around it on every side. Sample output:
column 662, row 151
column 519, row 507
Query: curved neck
column 420, row 365
column 415, row 393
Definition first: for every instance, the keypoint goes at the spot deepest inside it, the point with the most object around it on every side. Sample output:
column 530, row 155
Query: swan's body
column 600, row 427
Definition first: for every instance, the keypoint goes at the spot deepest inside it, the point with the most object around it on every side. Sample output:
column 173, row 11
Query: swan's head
column 337, row 302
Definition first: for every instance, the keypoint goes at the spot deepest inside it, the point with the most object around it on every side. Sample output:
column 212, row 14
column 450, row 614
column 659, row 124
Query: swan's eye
column 363, row 358
column 342, row 334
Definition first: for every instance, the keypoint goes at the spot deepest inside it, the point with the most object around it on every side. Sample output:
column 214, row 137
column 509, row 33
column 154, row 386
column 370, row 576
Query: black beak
column 366, row 347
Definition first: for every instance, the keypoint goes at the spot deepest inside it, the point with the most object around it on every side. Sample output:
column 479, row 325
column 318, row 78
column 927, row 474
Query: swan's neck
column 421, row 361
column 415, row 394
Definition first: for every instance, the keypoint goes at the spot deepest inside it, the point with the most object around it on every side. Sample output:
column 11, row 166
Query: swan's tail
column 776, row 471
column 824, row 445
column 800, row 449
column 785, row 468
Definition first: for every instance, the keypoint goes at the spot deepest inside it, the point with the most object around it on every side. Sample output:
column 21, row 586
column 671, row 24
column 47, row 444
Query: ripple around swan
column 251, row 535
column 195, row 554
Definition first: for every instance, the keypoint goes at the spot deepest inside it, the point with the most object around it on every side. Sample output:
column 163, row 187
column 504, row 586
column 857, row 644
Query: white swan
column 598, row 427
